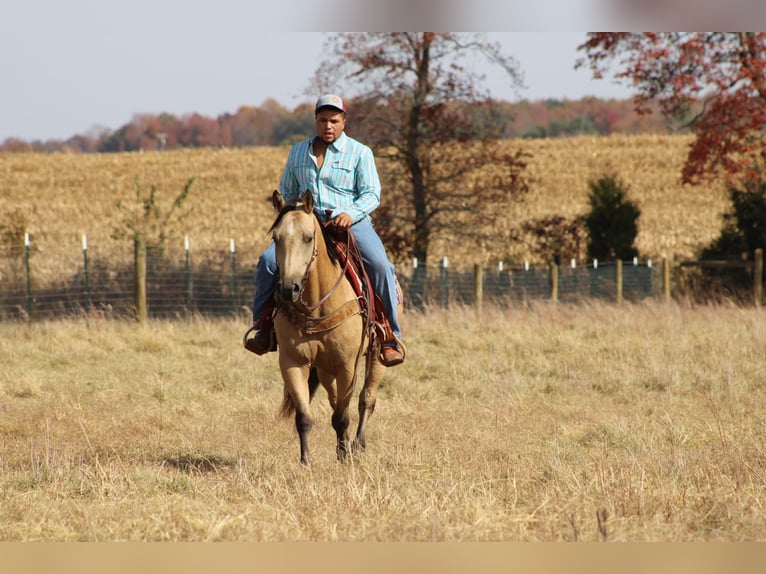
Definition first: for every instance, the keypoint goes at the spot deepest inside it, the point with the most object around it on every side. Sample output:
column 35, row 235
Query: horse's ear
column 277, row 200
column 308, row 201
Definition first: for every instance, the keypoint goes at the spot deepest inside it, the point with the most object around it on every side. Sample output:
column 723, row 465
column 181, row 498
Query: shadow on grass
column 201, row 463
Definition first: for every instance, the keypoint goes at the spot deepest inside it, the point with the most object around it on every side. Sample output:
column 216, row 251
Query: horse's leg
column 303, row 424
column 340, row 418
column 295, row 379
column 328, row 382
column 340, row 423
column 367, row 399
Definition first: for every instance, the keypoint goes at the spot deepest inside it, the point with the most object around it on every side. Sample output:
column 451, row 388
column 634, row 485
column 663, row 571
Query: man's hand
column 343, row 221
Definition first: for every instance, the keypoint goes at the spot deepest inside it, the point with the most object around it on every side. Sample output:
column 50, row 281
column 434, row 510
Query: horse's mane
column 330, row 238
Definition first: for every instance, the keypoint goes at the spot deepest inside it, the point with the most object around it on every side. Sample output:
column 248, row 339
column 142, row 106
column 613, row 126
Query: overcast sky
column 71, row 66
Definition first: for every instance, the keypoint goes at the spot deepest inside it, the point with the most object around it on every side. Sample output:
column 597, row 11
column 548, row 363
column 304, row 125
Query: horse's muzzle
column 290, row 291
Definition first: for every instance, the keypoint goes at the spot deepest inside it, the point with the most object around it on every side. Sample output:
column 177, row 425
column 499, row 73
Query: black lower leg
column 303, row 425
column 340, row 422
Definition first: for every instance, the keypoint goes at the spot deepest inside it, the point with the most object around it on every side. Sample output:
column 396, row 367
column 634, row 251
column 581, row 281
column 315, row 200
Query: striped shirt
column 347, row 183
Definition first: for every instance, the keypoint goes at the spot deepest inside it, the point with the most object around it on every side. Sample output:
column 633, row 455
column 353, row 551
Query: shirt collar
column 339, row 144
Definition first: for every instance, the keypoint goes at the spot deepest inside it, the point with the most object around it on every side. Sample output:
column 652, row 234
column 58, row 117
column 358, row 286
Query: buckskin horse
column 322, row 328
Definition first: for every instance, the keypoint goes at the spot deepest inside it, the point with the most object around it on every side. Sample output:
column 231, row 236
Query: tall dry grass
column 60, row 197
column 543, row 423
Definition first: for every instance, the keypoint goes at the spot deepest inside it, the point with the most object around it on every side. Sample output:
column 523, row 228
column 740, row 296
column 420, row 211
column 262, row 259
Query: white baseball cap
column 332, row 101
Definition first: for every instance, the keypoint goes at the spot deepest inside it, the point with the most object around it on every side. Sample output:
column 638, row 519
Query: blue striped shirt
column 347, row 183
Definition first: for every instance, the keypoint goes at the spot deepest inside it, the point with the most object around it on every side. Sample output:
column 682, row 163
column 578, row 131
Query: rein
column 300, row 316
column 361, row 305
column 327, row 295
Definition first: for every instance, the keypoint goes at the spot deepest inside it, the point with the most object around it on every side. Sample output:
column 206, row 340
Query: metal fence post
column 233, row 276
column 85, row 272
column 29, row 281
column 443, row 284
column 758, row 277
column 187, row 275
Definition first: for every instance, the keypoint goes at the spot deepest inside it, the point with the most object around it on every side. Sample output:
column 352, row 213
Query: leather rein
column 300, row 315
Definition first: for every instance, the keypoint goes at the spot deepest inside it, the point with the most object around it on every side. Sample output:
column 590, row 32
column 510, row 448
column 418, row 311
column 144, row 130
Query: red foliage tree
column 723, row 74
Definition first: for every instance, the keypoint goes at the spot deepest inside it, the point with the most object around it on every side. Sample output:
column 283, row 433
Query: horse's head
column 295, row 237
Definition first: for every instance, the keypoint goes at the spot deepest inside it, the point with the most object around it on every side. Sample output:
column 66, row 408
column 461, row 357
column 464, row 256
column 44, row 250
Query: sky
column 79, row 66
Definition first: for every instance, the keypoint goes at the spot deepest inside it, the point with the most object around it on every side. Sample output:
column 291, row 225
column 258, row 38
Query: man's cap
column 332, row 101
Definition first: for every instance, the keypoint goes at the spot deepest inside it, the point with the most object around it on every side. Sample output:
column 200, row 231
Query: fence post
column 29, row 280
column 478, row 285
column 618, row 280
column 554, row 278
column 187, row 275
column 85, row 272
column 443, row 284
column 594, row 278
column 666, row 279
column 139, row 247
column 758, row 277
column 233, row 276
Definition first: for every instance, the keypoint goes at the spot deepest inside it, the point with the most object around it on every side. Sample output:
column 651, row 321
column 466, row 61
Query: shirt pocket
column 305, row 174
column 342, row 177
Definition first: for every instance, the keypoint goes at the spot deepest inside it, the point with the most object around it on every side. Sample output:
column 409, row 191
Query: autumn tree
column 715, row 82
column 417, row 99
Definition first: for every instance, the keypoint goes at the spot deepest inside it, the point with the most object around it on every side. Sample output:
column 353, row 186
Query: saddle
column 344, row 244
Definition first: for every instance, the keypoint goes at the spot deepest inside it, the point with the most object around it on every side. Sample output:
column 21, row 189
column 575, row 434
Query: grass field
column 596, row 422
column 543, row 423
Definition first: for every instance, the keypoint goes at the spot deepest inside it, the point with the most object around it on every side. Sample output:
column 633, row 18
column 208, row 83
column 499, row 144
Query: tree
column 715, row 82
column 418, row 102
column 555, row 238
column 612, row 221
column 744, row 228
column 147, row 224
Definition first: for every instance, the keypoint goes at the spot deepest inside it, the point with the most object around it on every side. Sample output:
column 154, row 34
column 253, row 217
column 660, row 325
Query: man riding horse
column 341, row 175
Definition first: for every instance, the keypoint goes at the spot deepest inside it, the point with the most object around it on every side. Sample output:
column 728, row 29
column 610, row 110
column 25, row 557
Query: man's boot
column 265, row 340
column 392, row 350
column 390, row 355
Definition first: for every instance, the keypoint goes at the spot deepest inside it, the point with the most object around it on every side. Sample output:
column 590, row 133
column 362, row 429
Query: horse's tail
column 287, row 408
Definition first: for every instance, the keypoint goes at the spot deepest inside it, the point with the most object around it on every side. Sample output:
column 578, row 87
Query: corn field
column 55, row 201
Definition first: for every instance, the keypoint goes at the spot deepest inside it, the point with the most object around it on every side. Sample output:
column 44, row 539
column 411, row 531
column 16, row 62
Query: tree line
column 271, row 124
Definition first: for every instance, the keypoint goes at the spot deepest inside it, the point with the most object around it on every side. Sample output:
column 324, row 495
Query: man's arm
column 288, row 183
column 367, row 184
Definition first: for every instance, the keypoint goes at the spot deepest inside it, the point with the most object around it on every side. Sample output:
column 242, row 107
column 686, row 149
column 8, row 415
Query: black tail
column 313, row 382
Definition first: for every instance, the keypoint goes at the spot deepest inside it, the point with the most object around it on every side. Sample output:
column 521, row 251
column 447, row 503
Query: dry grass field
column 545, row 423
column 59, row 197
column 542, row 422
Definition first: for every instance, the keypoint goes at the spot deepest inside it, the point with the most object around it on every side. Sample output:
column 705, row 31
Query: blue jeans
column 379, row 268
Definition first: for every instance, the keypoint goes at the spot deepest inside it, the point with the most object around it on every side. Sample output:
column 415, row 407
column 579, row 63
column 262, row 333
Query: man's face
column 330, row 124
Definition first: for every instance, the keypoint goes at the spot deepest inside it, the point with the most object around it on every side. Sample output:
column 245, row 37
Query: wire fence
column 211, row 282
column 442, row 286
column 215, row 283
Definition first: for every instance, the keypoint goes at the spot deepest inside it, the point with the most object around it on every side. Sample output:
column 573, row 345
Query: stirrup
column 260, row 347
column 399, row 346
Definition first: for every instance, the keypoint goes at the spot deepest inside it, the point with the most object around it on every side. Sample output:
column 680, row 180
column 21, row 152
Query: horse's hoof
column 358, row 446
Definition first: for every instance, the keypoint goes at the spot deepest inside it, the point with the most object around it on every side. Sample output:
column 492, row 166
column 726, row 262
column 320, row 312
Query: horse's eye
column 308, row 239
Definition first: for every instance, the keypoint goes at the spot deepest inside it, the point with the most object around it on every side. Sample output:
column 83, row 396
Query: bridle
column 301, row 315
column 326, row 296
